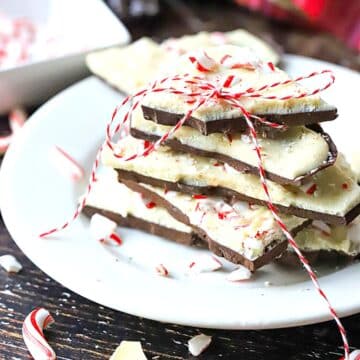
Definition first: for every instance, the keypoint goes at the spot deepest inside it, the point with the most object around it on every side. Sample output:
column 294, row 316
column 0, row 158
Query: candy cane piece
column 205, row 263
column 323, row 227
column 203, row 62
column 162, row 270
column 66, row 164
column 10, row 263
column 198, row 344
column 17, row 118
column 240, row 274
column 33, row 335
column 103, row 229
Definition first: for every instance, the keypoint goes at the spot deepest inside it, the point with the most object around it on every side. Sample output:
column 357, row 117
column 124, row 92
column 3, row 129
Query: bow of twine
column 198, row 91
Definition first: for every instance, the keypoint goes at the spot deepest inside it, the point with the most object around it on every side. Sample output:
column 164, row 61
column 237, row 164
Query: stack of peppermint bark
column 202, row 184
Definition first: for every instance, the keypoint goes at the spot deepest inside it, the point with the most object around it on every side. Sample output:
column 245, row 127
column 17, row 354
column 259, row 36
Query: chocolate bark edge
column 238, row 124
column 289, row 258
column 180, row 237
column 271, row 252
column 231, row 196
column 242, row 166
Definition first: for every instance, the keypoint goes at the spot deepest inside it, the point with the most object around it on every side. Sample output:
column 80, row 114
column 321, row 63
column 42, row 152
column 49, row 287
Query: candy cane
column 16, row 120
column 214, row 91
column 33, row 334
column 66, row 164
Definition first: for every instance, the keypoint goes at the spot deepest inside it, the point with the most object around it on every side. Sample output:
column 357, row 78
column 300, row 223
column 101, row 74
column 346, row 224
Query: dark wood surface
column 85, row 330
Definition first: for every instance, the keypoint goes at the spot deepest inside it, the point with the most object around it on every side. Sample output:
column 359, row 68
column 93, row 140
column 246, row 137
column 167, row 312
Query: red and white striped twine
column 33, row 334
column 206, row 90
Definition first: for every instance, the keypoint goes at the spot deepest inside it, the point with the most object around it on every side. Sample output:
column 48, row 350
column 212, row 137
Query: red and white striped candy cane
column 216, row 90
column 33, row 334
column 16, row 119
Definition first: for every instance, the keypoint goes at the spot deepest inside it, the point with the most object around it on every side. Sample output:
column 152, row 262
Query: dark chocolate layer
column 238, row 124
column 232, row 196
column 273, row 251
column 242, row 166
column 289, row 258
column 140, row 224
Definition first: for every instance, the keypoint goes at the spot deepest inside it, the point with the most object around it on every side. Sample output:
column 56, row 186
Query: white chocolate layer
column 109, row 194
column 166, row 164
column 215, row 110
column 247, row 230
column 129, row 68
column 354, row 161
column 290, row 154
column 238, row 37
column 344, row 239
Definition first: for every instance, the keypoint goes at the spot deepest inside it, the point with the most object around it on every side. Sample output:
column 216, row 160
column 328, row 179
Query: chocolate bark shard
column 185, row 238
column 252, row 86
column 334, row 195
column 232, row 196
column 239, row 153
column 237, row 37
column 276, row 242
column 238, row 124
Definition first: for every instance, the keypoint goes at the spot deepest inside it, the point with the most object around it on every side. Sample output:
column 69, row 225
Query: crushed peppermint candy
column 205, row 263
column 103, row 229
column 17, row 118
column 129, row 350
column 240, row 274
column 10, row 263
column 162, row 270
column 323, row 227
column 198, row 344
column 23, row 41
column 203, row 62
column 66, row 164
column 309, row 188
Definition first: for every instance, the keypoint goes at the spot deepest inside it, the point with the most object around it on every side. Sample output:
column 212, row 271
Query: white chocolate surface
column 354, row 161
column 109, row 194
column 134, row 66
column 168, row 165
column 238, row 37
column 129, row 68
column 292, row 153
column 345, row 239
column 262, row 75
column 245, row 229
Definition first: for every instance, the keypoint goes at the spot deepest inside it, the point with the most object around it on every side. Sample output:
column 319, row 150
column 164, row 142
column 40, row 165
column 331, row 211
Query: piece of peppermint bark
column 218, row 114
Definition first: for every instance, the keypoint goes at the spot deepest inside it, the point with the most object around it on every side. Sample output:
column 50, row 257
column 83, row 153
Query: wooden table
column 85, row 330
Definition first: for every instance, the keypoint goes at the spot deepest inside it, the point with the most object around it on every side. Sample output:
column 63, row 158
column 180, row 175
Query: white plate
column 34, row 198
column 86, row 25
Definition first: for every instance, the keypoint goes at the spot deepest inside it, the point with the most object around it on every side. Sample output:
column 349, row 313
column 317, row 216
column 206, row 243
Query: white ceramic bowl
column 86, row 22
